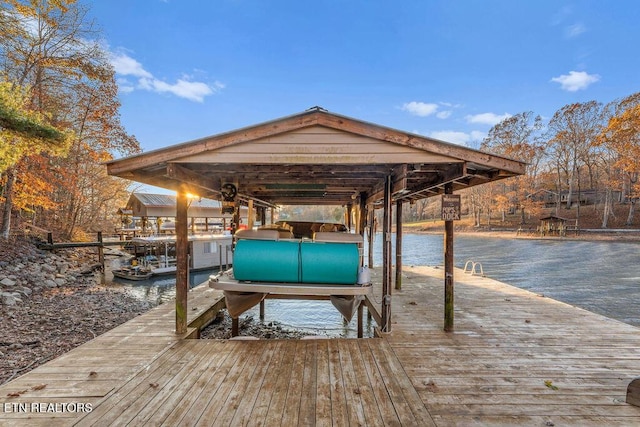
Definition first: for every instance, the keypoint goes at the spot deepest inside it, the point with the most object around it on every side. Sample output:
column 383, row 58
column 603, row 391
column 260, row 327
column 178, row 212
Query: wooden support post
column 262, row 310
column 360, row 327
column 101, row 258
column 372, row 232
column 633, row 392
column 448, row 269
column 386, row 258
column 362, row 214
column 349, row 216
column 236, row 218
column 398, row 244
column 235, row 327
column 182, row 262
column 251, row 215
column 263, row 216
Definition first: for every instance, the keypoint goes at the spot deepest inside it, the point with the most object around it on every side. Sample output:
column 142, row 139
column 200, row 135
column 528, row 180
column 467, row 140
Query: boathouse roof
column 315, row 157
column 164, row 205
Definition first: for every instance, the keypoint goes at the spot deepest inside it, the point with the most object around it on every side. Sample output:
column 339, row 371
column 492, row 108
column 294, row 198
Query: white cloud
column 576, row 80
column 490, row 119
column 421, row 109
column 574, row 30
column 424, row 109
column 125, row 65
column 444, row 114
column 453, row 136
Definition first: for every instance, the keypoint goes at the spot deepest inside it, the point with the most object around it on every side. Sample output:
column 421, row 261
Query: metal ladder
column 471, row 267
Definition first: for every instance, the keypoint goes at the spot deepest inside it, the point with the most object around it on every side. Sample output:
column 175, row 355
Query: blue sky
column 445, row 69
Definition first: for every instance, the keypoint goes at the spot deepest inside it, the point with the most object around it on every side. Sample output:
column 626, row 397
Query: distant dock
column 514, row 358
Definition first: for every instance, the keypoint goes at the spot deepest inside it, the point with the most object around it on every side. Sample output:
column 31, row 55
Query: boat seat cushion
column 337, row 237
column 258, row 234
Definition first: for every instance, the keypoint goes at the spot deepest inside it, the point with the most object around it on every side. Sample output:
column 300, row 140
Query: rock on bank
column 49, row 305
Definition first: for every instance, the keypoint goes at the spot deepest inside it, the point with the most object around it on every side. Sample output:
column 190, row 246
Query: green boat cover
column 296, row 262
column 266, row 261
column 334, row 263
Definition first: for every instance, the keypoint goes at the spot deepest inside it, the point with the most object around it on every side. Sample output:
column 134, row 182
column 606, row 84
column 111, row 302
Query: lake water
column 602, row 277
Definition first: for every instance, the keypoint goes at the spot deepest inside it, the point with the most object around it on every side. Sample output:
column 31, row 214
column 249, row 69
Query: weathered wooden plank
column 189, row 415
column 309, row 390
column 292, row 407
column 406, row 400
column 378, row 386
column 540, row 397
column 353, row 393
column 37, row 422
column 60, row 389
column 518, row 409
column 277, row 371
column 218, row 404
column 182, row 392
column 160, row 399
column 120, row 399
column 526, row 420
column 285, row 402
column 364, row 386
column 324, row 399
column 339, row 403
column 249, row 393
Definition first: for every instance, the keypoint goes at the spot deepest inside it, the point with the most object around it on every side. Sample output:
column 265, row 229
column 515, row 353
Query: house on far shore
column 556, row 226
column 147, row 214
column 584, row 197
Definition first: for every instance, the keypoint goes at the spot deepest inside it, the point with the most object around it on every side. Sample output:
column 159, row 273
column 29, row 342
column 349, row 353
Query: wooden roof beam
column 455, row 172
column 197, row 183
column 194, row 179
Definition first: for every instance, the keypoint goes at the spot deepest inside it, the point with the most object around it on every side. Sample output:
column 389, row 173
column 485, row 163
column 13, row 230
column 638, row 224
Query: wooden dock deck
column 515, row 358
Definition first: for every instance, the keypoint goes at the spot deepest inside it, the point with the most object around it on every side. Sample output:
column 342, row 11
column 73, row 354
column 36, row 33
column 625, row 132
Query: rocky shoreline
column 51, row 303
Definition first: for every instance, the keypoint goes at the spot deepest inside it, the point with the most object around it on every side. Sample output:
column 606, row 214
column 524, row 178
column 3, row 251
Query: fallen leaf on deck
column 17, row 393
column 550, row 385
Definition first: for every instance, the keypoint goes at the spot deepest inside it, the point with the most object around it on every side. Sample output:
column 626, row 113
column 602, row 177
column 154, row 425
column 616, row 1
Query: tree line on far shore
column 587, row 147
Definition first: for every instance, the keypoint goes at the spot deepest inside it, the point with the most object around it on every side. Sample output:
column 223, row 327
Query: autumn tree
column 518, row 137
column 22, row 131
column 621, row 137
column 572, row 132
column 50, row 48
column 88, row 190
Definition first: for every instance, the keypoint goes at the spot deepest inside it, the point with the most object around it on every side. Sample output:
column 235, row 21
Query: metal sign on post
column 450, row 207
